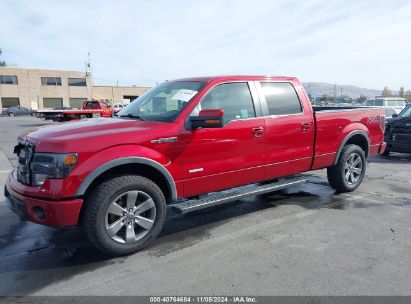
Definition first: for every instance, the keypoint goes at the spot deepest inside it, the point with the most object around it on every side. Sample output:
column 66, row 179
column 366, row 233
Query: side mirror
column 210, row 118
column 394, row 115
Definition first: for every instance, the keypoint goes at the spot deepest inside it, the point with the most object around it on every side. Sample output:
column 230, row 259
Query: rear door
column 217, row 158
column 289, row 129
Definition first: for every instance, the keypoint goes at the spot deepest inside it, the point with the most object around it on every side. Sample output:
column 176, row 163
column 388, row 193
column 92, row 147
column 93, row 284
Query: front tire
column 12, row 114
column 124, row 214
column 349, row 171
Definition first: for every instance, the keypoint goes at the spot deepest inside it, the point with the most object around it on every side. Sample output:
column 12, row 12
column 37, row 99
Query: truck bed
column 333, row 124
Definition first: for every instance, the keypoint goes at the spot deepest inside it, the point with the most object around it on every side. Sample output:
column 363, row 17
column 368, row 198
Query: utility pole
column 89, row 73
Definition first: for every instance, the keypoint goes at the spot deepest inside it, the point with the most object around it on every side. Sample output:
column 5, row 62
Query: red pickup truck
column 90, row 109
column 182, row 139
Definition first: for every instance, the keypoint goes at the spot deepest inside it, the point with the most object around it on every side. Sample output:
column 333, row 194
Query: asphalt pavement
column 306, row 240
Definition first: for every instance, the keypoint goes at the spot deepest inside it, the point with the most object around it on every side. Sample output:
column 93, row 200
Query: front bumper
column 64, row 213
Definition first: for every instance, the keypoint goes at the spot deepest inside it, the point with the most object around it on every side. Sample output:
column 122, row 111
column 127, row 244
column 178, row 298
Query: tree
column 401, row 93
column 2, row 63
column 407, row 95
column 362, row 99
column 386, row 92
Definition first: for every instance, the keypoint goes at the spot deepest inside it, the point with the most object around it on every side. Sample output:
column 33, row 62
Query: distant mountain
column 316, row 89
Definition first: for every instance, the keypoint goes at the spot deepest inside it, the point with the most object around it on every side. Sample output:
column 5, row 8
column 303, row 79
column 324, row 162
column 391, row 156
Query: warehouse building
column 46, row 89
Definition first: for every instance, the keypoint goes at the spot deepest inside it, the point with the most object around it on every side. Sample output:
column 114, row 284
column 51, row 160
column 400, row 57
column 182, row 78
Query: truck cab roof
column 238, row 78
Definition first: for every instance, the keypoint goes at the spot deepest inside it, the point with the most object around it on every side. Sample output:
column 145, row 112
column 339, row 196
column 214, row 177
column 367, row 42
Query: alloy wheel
column 130, row 216
column 353, row 168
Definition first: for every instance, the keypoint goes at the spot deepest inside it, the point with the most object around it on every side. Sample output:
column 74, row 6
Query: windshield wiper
column 132, row 115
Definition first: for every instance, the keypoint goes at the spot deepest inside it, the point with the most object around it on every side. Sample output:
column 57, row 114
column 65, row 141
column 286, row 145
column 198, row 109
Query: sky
column 363, row 43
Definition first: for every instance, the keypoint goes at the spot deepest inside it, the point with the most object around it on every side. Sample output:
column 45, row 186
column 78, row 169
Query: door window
column 281, row 98
column 234, row 98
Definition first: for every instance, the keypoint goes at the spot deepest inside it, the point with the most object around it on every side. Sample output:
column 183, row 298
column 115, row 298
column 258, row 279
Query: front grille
column 25, row 152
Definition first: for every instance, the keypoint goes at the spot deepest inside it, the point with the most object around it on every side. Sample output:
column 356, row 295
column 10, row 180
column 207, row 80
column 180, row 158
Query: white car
column 117, row 107
column 397, row 103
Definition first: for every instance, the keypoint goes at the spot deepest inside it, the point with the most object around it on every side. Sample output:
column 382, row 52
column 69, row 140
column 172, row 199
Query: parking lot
column 306, row 240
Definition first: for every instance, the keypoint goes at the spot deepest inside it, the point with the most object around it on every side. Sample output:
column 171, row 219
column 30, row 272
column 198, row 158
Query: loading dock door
column 76, row 102
column 7, row 102
column 128, row 99
column 52, row 102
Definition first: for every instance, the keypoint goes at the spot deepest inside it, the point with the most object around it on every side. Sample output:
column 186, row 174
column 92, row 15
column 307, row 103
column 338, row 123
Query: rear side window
column 401, row 103
column 391, row 103
column 281, row 98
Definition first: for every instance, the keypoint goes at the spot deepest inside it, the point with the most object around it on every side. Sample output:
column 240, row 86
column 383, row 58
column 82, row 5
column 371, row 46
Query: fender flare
column 347, row 138
column 124, row 161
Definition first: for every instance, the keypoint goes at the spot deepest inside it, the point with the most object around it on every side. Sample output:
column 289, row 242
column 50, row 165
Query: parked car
column 16, row 111
column 117, row 107
column 182, row 139
column 398, row 132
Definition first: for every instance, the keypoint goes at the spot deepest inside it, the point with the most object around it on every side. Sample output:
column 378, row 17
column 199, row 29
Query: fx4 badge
column 164, row 140
column 373, row 119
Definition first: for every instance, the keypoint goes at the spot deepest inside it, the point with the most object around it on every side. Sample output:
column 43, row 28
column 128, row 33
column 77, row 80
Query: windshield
column 164, row 102
column 406, row 112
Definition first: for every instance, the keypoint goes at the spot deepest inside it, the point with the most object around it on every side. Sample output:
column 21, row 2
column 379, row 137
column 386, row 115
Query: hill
column 320, row 88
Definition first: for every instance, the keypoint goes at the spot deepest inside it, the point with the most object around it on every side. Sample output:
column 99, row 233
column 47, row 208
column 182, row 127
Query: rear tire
column 12, row 114
column 348, row 173
column 124, row 214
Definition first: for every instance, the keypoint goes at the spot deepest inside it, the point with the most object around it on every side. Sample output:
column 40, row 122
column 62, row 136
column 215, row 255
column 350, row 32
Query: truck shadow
column 392, row 158
column 41, row 262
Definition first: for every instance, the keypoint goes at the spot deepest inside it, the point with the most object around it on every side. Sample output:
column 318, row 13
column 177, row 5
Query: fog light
column 39, row 213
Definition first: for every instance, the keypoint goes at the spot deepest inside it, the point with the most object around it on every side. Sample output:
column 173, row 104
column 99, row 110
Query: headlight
column 48, row 165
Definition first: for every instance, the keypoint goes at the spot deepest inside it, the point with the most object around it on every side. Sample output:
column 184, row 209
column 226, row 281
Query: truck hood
column 402, row 122
column 96, row 132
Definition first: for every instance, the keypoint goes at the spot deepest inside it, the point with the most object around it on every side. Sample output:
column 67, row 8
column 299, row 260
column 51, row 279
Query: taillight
column 382, row 123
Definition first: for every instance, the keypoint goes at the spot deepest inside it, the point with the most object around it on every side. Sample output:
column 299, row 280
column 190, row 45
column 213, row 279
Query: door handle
column 305, row 126
column 258, row 132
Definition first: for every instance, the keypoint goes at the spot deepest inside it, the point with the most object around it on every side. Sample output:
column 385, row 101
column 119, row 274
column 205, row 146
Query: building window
column 76, row 102
column 8, row 79
column 8, row 102
column 52, row 102
column 55, row 81
column 77, row 82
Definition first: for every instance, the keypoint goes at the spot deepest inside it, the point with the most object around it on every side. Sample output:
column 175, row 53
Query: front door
column 218, row 158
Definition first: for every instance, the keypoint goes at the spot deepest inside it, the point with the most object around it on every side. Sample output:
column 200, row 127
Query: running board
column 222, row 198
